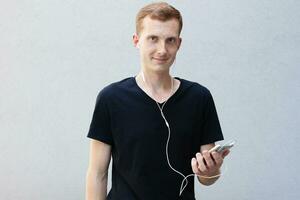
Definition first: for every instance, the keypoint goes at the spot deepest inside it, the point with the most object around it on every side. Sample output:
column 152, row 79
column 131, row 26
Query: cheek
column 173, row 50
column 145, row 53
column 149, row 49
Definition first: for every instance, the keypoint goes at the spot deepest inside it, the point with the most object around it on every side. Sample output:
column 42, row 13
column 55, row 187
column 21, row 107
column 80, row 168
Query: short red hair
column 161, row 11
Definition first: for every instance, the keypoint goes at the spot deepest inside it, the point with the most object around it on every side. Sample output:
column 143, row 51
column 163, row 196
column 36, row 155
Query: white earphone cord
column 167, row 145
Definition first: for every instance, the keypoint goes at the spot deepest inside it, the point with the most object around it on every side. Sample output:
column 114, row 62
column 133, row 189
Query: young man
column 157, row 128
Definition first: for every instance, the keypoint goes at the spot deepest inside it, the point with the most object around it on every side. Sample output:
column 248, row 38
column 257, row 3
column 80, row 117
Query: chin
column 161, row 68
column 158, row 67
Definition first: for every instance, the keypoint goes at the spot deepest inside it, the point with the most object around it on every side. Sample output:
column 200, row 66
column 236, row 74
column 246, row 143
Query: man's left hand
column 208, row 164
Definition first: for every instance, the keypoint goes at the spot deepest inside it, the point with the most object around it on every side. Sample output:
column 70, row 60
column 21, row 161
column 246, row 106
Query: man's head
column 160, row 11
column 158, row 27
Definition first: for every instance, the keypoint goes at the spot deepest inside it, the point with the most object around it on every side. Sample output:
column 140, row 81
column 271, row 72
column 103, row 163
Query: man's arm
column 96, row 177
column 207, row 165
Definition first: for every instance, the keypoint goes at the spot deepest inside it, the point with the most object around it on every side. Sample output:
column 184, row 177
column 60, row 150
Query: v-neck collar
column 151, row 99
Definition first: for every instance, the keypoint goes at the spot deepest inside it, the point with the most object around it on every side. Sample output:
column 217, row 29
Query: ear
column 135, row 39
column 179, row 43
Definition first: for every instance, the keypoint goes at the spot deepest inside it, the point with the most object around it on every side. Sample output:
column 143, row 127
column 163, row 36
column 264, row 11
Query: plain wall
column 55, row 56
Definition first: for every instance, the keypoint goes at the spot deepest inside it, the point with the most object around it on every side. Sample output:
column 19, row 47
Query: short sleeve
column 210, row 129
column 100, row 127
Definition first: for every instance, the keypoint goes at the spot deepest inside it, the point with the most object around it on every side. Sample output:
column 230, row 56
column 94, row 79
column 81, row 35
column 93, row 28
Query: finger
column 195, row 166
column 225, row 153
column 217, row 158
column 208, row 159
column 201, row 165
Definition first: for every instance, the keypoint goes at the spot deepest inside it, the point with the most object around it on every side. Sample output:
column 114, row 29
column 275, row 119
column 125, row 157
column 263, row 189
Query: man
column 157, row 128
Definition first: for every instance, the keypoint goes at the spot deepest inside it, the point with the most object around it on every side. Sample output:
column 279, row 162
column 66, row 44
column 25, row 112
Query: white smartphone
column 219, row 148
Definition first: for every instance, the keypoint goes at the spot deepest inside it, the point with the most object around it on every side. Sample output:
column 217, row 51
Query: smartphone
column 219, row 148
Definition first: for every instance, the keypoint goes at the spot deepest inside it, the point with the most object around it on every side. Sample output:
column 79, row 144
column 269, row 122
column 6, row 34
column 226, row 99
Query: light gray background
column 55, row 56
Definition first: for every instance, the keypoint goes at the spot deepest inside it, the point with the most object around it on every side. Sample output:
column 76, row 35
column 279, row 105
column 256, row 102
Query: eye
column 171, row 40
column 153, row 38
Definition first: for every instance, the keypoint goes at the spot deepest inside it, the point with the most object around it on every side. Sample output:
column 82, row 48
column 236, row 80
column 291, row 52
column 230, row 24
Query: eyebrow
column 171, row 37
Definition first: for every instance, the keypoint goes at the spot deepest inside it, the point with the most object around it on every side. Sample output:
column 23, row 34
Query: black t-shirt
column 126, row 118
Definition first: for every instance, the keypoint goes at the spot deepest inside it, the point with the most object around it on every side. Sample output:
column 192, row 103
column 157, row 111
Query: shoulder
column 195, row 88
column 114, row 88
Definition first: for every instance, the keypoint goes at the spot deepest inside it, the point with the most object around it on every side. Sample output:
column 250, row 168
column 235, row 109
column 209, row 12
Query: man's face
column 158, row 43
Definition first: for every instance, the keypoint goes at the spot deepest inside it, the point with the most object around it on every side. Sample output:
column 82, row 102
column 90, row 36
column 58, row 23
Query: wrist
column 209, row 178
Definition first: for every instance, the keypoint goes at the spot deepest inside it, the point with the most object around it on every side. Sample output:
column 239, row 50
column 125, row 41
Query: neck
column 159, row 86
column 157, row 81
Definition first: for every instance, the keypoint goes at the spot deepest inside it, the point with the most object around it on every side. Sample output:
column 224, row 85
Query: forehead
column 169, row 28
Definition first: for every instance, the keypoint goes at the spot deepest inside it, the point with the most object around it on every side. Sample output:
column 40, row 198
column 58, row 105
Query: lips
column 160, row 59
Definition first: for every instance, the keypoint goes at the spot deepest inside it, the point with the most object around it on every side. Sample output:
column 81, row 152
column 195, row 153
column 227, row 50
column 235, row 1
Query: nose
column 161, row 49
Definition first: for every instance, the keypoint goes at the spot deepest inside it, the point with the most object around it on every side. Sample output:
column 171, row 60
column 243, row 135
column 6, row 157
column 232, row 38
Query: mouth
column 160, row 59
